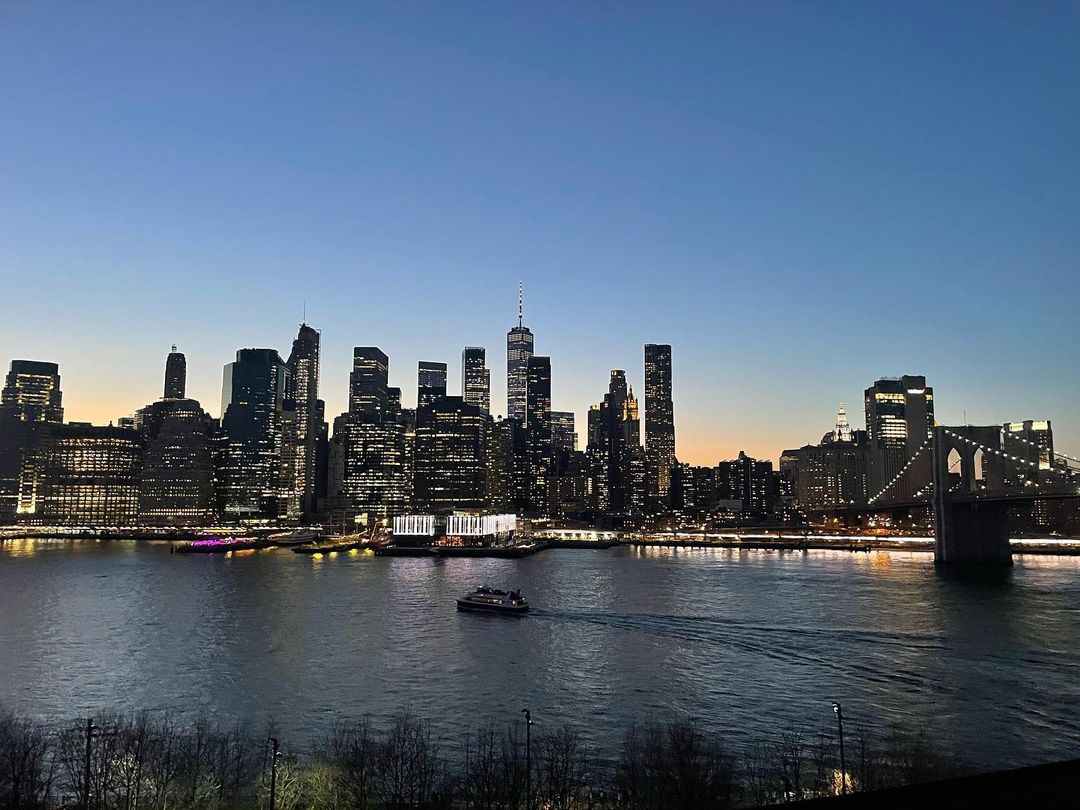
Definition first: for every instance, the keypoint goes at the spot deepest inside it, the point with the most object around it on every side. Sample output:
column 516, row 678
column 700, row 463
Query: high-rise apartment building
column 475, row 378
column 253, row 404
column 32, row 392
column 659, row 421
column 899, row 420
column 175, row 375
column 519, row 348
column 430, row 383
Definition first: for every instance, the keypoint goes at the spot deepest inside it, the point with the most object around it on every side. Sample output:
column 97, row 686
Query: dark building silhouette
column 899, row 419
column 368, row 463
column 748, row 481
column 32, row 392
column 475, row 378
column 563, row 435
column 659, row 422
column 369, row 392
column 175, row 375
column 616, row 459
column 519, row 348
column 250, row 456
column 451, row 456
column 430, row 382
column 541, row 455
column 176, row 482
column 301, row 452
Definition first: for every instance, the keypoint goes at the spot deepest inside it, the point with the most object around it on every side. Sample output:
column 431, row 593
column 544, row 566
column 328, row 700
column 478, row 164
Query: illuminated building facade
column 306, row 426
column 615, row 466
column 369, row 458
column 175, row 375
column 1032, row 441
column 451, row 457
column 564, row 437
column 32, row 392
column 899, row 419
column 82, row 475
column 430, row 383
column 176, row 483
column 659, row 422
column 475, row 378
column 538, row 432
column 519, row 348
column 249, row 464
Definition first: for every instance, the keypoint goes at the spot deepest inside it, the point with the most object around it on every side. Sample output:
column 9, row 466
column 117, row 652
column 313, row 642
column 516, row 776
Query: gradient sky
column 799, row 197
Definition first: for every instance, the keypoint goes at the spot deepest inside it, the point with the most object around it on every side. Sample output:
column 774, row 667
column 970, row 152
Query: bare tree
column 26, row 767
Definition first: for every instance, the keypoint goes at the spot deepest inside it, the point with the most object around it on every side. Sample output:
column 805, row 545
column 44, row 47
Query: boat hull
column 481, row 607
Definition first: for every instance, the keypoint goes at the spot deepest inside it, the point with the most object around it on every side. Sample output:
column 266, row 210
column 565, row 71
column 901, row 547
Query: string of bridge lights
column 900, row 474
column 1037, row 447
column 1003, row 454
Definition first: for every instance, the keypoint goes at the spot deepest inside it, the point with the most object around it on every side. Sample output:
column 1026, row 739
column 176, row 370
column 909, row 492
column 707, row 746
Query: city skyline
column 689, row 449
column 796, row 202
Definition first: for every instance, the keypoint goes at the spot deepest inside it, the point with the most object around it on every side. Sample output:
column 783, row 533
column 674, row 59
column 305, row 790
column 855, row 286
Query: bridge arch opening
column 954, row 465
column 980, row 472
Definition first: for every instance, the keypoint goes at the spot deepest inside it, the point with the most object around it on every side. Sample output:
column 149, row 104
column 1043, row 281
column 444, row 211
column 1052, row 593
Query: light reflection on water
column 750, row 642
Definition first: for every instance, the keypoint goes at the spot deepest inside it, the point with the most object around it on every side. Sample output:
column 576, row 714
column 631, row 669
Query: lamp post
column 839, row 712
column 528, row 759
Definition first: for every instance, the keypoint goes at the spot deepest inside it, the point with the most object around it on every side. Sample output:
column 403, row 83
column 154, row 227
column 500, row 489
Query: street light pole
column 838, row 711
column 273, row 770
column 528, row 759
column 86, row 764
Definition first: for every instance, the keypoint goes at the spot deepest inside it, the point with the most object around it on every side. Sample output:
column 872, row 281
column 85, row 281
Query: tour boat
column 490, row 600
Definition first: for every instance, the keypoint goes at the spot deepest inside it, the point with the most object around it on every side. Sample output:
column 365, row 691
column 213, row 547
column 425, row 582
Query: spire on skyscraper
column 843, row 429
column 521, row 304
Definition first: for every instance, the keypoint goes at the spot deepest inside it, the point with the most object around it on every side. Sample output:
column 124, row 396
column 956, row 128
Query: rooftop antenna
column 174, row 348
column 521, row 303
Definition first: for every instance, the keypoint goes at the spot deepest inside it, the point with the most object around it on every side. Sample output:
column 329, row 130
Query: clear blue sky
column 799, row 197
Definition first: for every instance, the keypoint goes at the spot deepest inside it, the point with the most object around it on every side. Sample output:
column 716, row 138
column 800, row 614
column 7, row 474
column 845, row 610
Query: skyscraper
column 563, row 435
column 616, row 457
column 303, row 392
column 368, row 463
column 538, row 433
column 369, row 393
column 519, row 348
column 32, row 392
column 451, row 456
column 430, row 383
column 475, row 378
column 899, row 419
column 253, row 400
column 83, row 475
column 175, row 375
column 659, row 421
column 176, row 484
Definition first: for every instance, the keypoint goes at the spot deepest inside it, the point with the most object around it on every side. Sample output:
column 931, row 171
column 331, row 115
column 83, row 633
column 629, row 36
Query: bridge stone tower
column 968, row 529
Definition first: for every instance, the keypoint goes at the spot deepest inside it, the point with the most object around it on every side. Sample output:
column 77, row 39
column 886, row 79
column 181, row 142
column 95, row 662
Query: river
column 748, row 642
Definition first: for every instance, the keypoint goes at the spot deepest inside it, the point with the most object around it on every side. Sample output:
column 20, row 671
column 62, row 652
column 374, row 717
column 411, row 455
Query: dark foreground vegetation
column 154, row 762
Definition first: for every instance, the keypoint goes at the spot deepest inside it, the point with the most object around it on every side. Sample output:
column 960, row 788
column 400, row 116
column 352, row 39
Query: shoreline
column 1047, row 547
